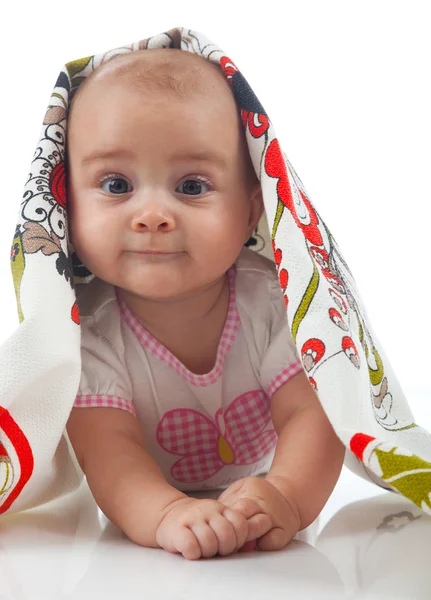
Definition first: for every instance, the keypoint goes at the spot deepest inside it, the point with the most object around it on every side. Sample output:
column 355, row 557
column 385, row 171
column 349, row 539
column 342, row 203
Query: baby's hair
column 160, row 70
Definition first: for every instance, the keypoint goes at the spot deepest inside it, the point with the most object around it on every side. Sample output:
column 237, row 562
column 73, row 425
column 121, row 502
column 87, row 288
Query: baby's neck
column 177, row 315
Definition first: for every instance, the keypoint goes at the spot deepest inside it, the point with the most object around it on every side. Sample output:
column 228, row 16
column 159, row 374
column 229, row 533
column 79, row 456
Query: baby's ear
column 257, row 207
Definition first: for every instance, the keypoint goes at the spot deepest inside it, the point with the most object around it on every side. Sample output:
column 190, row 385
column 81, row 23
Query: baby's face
column 150, row 173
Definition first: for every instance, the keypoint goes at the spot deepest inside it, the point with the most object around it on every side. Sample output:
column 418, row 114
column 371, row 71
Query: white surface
column 375, row 547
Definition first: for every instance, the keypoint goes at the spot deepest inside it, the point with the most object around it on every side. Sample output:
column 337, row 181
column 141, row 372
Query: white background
column 347, row 86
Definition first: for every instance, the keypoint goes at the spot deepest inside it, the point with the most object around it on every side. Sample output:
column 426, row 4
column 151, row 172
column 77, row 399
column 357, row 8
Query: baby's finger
column 230, row 491
column 206, row 538
column 184, row 541
column 246, row 506
column 239, row 524
column 258, row 521
column 275, row 539
column 224, row 533
column 258, row 526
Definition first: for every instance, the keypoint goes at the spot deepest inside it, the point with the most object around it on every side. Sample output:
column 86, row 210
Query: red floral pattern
column 283, row 275
column 12, row 431
column 275, row 166
column 57, row 184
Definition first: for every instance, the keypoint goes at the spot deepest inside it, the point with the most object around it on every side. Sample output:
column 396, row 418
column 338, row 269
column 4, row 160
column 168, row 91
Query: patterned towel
column 40, row 362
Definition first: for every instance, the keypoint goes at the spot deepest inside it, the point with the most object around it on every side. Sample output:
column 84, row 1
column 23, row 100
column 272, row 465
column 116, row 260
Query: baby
column 190, row 378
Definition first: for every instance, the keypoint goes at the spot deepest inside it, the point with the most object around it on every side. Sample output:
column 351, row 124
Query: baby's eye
column 193, row 187
column 116, row 185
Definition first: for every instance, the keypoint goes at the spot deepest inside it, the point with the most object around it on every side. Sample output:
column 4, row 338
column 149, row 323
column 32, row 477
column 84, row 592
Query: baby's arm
column 123, row 477
column 309, row 456
column 305, row 469
column 131, row 490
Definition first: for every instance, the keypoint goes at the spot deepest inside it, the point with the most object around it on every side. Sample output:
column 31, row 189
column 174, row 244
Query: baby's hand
column 201, row 528
column 272, row 520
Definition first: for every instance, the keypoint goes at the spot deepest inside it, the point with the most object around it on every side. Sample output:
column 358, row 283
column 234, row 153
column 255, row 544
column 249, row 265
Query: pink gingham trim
column 228, row 337
column 284, row 376
column 103, row 400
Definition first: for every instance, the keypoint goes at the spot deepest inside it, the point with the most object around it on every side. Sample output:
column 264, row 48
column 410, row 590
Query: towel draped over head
column 344, row 361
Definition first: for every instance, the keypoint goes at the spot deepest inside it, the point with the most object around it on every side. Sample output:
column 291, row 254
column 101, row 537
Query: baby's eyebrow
column 104, row 154
column 203, row 156
column 198, row 155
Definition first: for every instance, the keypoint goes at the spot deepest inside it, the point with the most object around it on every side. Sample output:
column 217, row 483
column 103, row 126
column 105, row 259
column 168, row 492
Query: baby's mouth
column 157, row 256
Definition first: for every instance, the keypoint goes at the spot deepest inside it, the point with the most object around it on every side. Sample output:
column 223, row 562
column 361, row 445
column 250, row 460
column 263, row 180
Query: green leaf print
column 75, row 66
column 410, row 475
column 17, row 267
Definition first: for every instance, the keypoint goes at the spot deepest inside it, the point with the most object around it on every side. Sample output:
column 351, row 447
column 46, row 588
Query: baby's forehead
column 177, row 77
column 161, row 75
column 162, row 69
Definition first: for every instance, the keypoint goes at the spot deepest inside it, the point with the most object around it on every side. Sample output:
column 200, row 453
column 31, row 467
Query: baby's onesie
column 204, row 431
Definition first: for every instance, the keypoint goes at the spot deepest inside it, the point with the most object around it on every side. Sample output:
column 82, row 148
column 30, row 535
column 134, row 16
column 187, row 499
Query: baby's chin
column 165, row 290
column 159, row 289
column 158, row 278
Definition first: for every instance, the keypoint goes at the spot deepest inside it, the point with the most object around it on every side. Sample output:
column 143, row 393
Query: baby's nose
column 153, row 220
